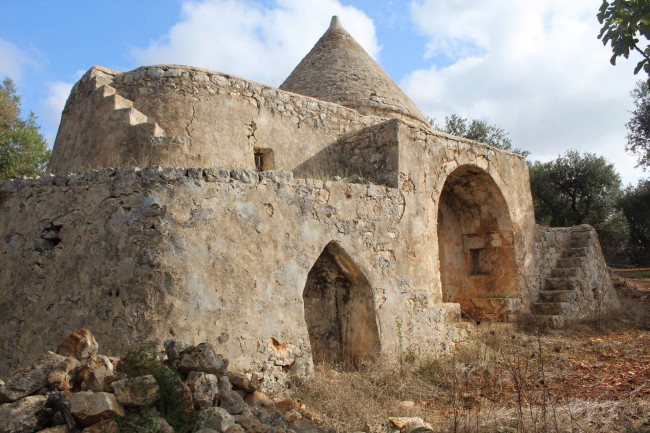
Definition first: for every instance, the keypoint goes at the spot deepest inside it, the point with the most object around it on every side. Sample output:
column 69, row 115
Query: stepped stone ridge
column 339, row 70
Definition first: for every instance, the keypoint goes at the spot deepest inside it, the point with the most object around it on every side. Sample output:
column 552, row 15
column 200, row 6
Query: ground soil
column 588, row 377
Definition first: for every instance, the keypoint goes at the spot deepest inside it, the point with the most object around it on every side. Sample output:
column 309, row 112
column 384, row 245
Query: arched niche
column 339, row 309
column 476, row 246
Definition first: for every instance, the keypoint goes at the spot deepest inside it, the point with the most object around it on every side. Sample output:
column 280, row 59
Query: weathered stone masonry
column 142, row 254
column 276, row 272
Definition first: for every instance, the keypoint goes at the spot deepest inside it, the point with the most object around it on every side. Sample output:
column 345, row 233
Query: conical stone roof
column 338, row 70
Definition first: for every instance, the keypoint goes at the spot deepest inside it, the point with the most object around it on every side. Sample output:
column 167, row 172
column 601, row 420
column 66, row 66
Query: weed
column 170, row 403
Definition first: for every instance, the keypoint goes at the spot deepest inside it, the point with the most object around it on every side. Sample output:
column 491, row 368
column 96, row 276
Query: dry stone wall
column 204, row 255
column 574, row 279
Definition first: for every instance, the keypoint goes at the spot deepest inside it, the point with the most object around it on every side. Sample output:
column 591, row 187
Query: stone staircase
column 559, row 295
column 121, row 111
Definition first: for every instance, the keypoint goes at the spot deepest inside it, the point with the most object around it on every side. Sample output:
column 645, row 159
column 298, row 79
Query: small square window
column 479, row 261
column 263, row 159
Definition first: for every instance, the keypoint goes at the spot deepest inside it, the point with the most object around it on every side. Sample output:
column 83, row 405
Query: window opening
column 263, row 159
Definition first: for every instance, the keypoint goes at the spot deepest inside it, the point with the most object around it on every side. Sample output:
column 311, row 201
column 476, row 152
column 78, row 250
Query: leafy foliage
column 622, row 20
column 635, row 204
column 580, row 189
column 638, row 138
column 170, row 404
column 478, row 130
column 23, row 151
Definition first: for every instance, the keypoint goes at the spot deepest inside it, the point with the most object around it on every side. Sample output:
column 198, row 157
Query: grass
column 634, row 274
column 503, row 379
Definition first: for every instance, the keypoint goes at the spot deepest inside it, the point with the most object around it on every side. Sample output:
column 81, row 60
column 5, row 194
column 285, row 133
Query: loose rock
column 60, row 378
column 136, row 391
column 259, row 399
column 93, row 373
column 173, row 349
column 106, row 426
column 215, row 418
column 30, row 378
column 410, row 424
column 89, row 407
column 24, row 416
column 241, row 381
column 80, row 344
column 202, row 358
column 204, row 387
column 232, row 402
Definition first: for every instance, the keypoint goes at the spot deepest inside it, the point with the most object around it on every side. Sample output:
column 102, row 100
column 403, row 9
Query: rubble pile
column 188, row 388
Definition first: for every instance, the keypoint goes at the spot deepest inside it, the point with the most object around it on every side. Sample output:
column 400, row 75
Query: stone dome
column 338, row 69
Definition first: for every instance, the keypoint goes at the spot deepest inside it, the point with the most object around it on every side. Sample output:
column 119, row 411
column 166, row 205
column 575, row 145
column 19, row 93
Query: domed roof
column 338, row 70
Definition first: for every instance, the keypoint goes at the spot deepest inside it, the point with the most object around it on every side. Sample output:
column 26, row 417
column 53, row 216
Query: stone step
column 120, row 102
column 150, row 129
column 581, row 235
column 104, row 91
column 575, row 252
column 569, row 262
column 557, row 295
column 581, row 243
column 550, row 308
column 561, row 283
column 96, row 82
column 564, row 272
column 550, row 320
column 130, row 115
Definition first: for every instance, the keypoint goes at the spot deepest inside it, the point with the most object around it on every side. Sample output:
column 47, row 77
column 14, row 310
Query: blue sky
column 534, row 68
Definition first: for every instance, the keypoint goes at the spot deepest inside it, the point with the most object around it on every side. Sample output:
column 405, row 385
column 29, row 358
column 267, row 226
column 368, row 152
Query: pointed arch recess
column 339, row 309
column 476, row 246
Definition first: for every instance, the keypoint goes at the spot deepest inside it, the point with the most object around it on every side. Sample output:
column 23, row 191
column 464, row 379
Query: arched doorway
column 339, row 309
column 476, row 246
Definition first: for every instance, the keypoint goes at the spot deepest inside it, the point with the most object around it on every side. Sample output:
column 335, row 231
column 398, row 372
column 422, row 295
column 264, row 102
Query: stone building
column 321, row 221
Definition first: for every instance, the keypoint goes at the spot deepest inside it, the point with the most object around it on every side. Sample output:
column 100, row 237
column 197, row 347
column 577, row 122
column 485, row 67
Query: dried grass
column 501, row 380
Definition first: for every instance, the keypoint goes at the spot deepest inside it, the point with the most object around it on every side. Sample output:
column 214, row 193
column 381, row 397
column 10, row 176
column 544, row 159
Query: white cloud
column 247, row 39
column 14, row 61
column 53, row 105
column 535, row 69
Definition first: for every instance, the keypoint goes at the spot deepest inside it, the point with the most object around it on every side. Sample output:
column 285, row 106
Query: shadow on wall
column 339, row 309
column 372, row 153
column 477, row 257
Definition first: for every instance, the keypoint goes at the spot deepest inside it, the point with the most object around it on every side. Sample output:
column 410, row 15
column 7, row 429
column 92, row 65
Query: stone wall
column 182, row 116
column 570, row 263
column 371, row 153
column 427, row 160
column 204, row 255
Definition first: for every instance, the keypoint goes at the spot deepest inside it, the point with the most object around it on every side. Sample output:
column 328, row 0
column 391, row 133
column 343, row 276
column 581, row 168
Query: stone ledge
column 156, row 174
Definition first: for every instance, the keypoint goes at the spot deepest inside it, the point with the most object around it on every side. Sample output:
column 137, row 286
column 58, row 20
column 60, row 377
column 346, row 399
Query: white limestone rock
column 89, row 407
column 80, row 344
column 204, row 387
column 136, row 391
column 215, row 418
column 30, row 378
column 202, row 358
column 23, row 416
